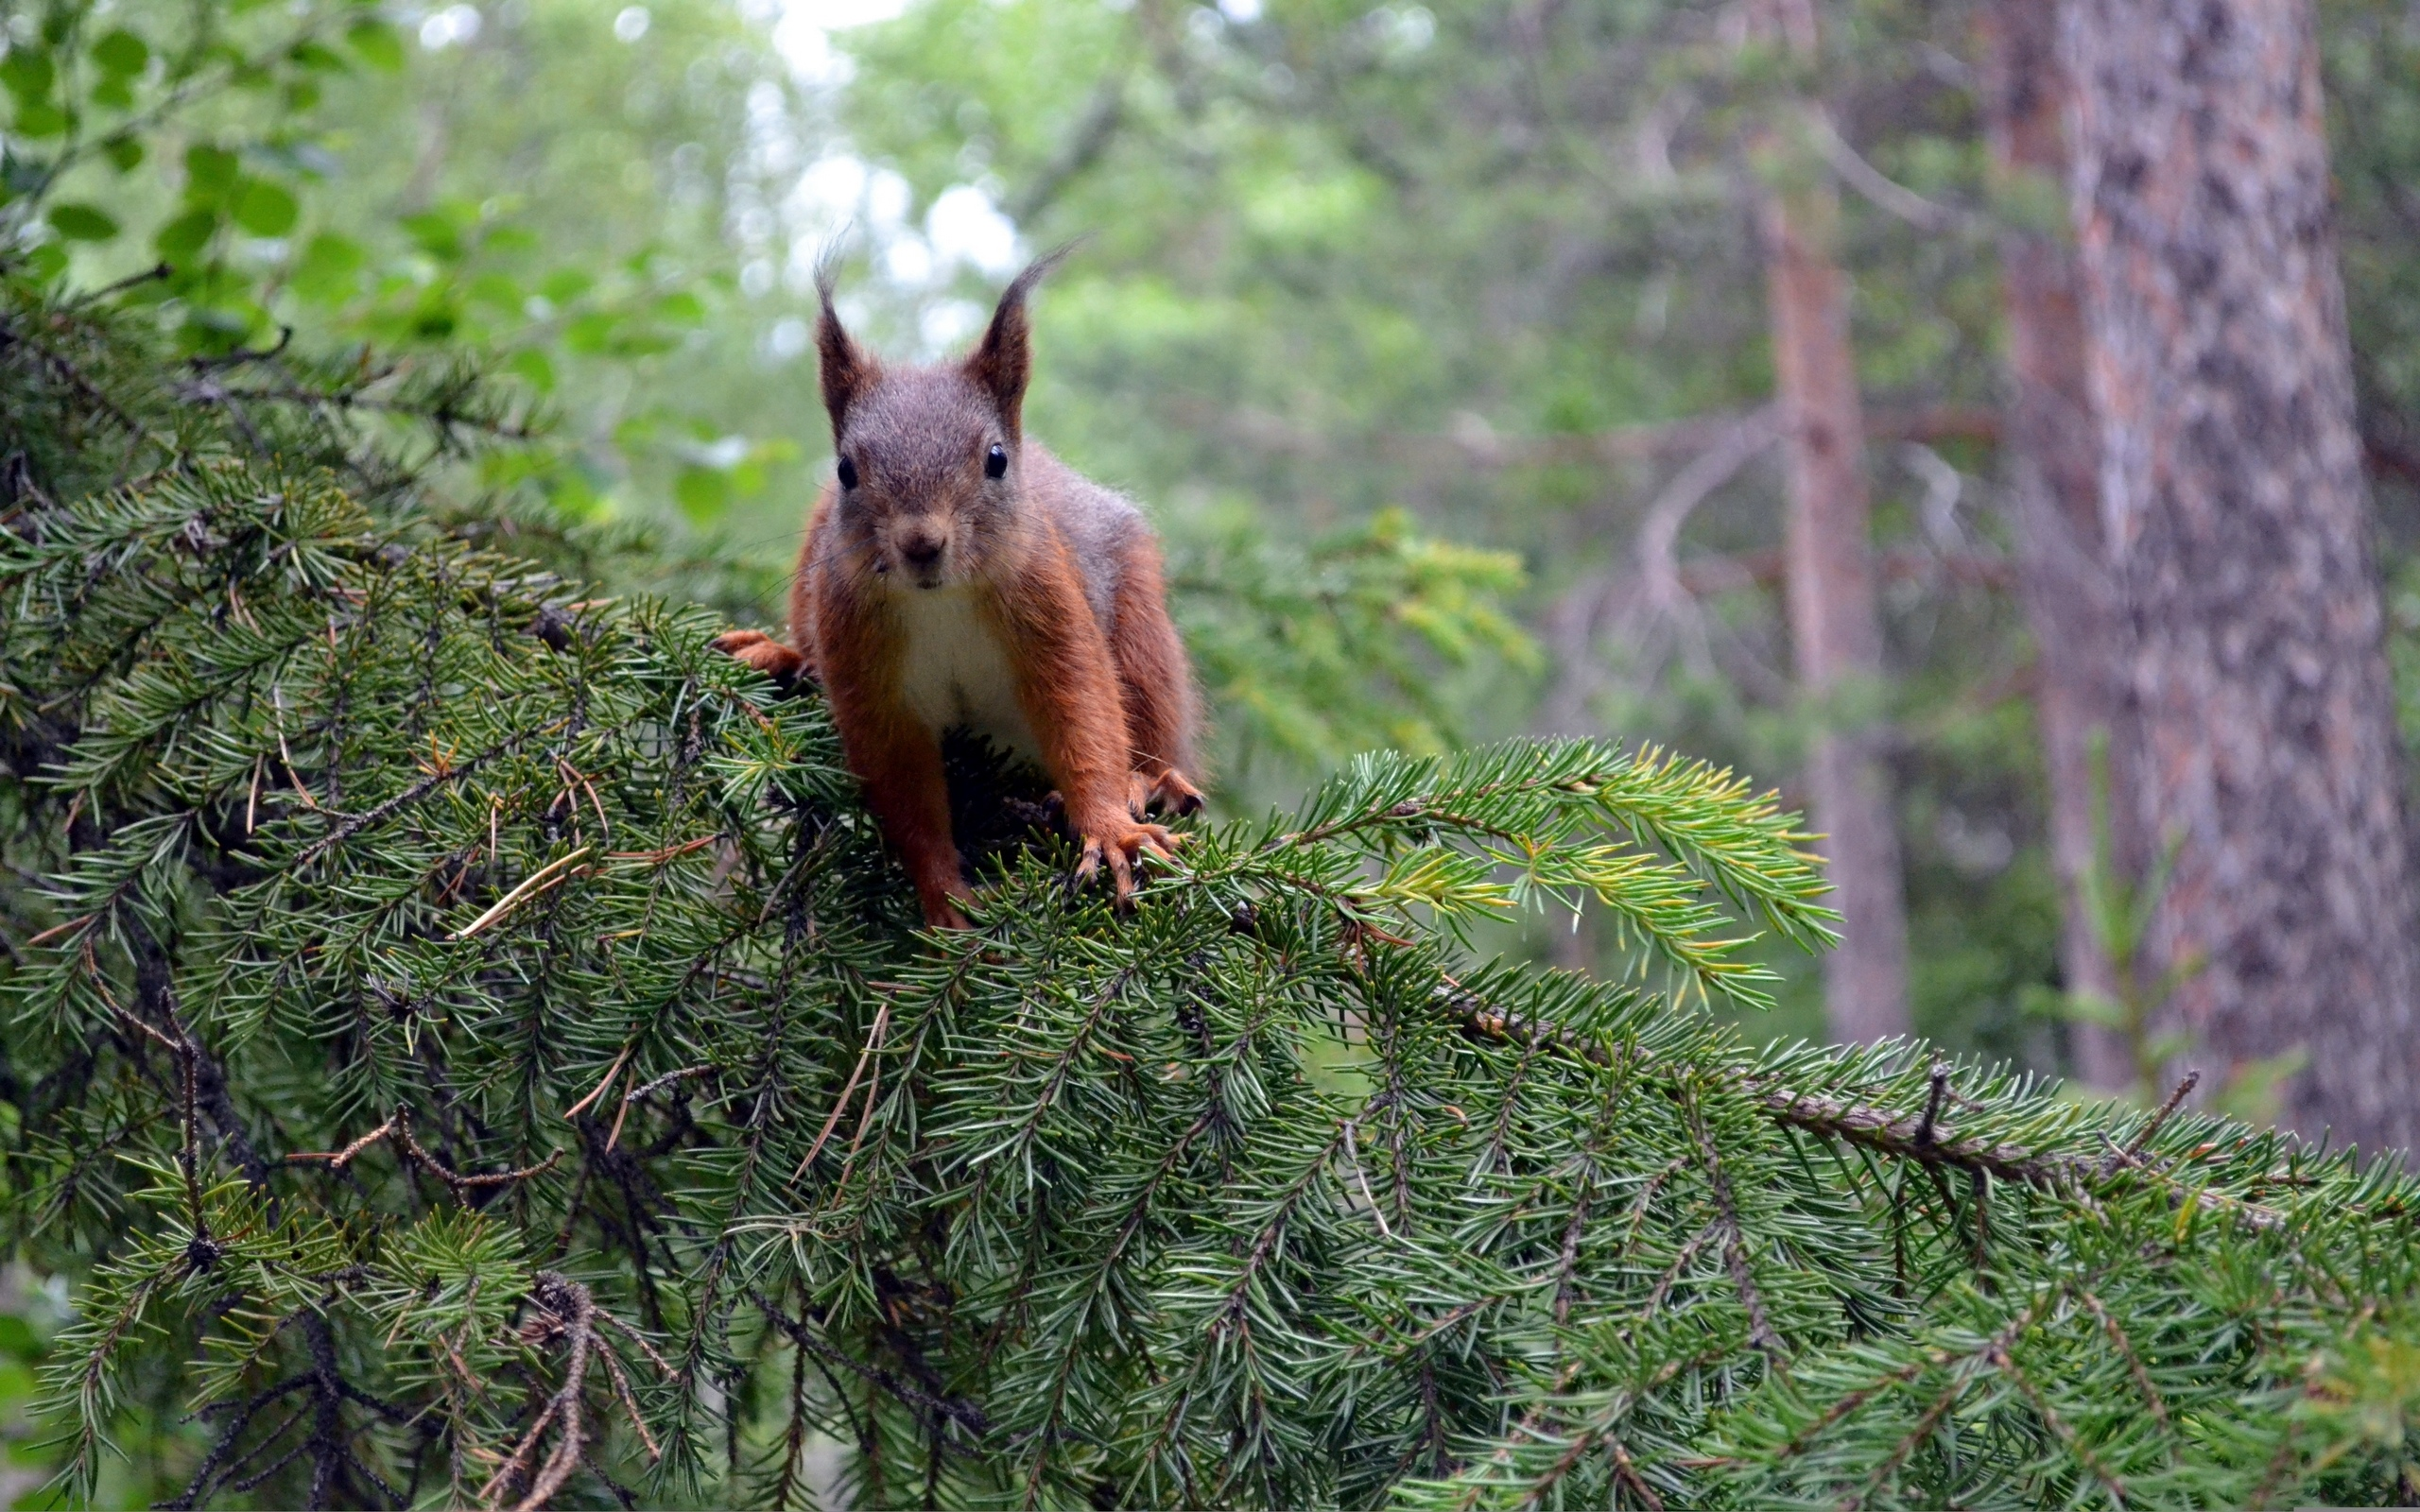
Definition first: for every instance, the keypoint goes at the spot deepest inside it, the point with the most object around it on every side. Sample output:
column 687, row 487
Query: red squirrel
column 957, row 573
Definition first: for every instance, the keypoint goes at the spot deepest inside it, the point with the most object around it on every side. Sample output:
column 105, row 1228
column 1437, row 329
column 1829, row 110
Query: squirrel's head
column 930, row 457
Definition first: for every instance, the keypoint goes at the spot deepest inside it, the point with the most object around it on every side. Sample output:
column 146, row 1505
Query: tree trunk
column 2239, row 533
column 2053, row 459
column 1835, row 627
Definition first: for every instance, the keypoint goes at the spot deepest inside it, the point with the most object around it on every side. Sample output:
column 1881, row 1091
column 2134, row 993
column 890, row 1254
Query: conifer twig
column 1735, row 1247
column 1849, row 1402
column 1932, row 1103
column 2059, row 1425
column 965, row 1414
column 1353, row 1162
column 1629, row 1472
column 663, row 1365
column 2152, row 1398
column 629, row 1402
column 633, row 1095
column 566, row 1310
column 1876, row 1128
column 2143, row 1137
column 1647, row 1195
column 1978, row 1186
column 240, row 1418
column 398, row 1130
column 1680, row 1266
column 1567, row 1268
column 203, row 1251
column 537, row 881
column 840, row 1105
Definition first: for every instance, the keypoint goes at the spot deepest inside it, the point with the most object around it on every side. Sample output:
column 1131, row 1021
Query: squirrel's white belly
column 954, row 670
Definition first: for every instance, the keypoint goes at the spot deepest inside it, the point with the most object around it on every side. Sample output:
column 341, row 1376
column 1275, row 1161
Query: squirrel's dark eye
column 848, row 474
column 995, row 461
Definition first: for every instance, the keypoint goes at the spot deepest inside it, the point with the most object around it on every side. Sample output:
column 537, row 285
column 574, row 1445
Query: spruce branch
column 1877, row 1129
column 299, row 773
column 965, row 1414
column 2152, row 1402
column 1734, row 1244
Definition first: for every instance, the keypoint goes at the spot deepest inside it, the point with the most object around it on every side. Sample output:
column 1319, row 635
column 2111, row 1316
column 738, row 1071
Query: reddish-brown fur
column 927, row 557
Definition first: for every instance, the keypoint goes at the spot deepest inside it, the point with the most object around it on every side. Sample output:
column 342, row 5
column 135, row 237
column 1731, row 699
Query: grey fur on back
column 1098, row 524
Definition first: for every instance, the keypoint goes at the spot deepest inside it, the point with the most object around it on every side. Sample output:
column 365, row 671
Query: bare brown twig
column 2132, row 1154
column 873, row 1040
column 568, row 1312
column 398, row 1128
column 1932, row 1103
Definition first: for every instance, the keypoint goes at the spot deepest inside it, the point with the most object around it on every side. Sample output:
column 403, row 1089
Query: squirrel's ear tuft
column 847, row 371
column 1005, row 359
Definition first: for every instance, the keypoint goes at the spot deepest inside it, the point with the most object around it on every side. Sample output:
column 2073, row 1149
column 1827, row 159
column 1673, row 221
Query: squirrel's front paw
column 1121, row 845
column 761, row 651
column 943, row 914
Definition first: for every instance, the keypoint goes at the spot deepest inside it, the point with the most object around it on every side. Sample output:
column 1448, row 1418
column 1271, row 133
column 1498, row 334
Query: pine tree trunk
column 2054, row 461
column 2239, row 538
column 1835, row 626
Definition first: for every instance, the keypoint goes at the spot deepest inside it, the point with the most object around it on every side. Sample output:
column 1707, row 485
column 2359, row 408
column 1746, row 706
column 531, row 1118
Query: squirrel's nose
column 921, row 551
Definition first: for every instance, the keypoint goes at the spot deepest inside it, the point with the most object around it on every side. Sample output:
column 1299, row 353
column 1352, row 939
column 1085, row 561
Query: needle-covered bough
column 465, row 1044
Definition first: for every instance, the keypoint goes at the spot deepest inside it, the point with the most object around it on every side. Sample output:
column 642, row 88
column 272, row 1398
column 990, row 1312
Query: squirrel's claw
column 1122, row 851
column 1168, row 793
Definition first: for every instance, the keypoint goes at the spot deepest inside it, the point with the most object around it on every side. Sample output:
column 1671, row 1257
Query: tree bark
column 2239, row 533
column 2053, row 458
column 1835, row 628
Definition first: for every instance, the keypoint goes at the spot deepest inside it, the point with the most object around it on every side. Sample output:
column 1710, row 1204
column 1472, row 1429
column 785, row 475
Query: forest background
column 1497, row 267
column 1457, row 313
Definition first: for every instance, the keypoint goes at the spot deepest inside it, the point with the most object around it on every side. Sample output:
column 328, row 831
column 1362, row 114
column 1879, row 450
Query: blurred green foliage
column 356, row 174
column 31, row 1315
column 631, row 240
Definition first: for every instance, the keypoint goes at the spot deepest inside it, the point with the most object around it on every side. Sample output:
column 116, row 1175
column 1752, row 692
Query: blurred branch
column 1659, row 590
column 1659, row 531
column 1472, row 442
column 1095, row 129
column 2387, row 452
column 1656, row 600
column 1897, row 564
column 1886, row 193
